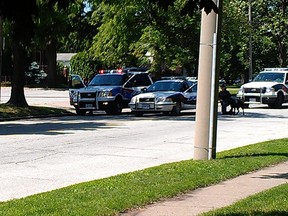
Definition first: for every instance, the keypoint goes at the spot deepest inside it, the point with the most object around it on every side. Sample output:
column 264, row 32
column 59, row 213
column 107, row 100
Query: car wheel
column 115, row 108
column 176, row 109
column 80, row 112
column 279, row 101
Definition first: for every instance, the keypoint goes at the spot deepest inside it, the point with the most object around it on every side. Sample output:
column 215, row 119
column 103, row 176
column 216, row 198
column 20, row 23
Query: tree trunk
column 17, row 97
column 51, row 62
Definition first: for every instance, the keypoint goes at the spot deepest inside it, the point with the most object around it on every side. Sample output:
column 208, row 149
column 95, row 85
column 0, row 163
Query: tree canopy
column 160, row 34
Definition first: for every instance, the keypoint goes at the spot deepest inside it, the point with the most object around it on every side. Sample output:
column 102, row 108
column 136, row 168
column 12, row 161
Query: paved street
column 44, row 154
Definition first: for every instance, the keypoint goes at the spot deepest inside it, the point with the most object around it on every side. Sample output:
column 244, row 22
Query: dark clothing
column 225, row 98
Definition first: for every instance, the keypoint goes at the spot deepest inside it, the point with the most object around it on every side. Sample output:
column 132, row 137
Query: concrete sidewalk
column 217, row 196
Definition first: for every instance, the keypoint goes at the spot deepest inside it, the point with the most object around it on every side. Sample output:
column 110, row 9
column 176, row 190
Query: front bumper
column 152, row 107
column 258, row 98
column 98, row 103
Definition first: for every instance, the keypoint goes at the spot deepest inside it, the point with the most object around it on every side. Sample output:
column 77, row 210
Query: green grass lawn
column 269, row 202
column 8, row 111
column 110, row 196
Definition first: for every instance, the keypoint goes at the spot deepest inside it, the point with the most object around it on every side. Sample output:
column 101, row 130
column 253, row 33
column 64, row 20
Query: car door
column 191, row 95
column 136, row 83
column 75, row 83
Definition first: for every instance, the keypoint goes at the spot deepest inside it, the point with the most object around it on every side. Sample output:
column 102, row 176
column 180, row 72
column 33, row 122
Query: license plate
column 88, row 105
column 145, row 106
column 252, row 99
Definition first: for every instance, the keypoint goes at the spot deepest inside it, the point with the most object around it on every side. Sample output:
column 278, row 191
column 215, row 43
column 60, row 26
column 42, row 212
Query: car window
column 76, row 82
column 269, row 77
column 166, row 86
column 192, row 89
column 139, row 80
column 108, row 80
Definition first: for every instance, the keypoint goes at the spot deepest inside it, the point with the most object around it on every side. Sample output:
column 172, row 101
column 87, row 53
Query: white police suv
column 268, row 87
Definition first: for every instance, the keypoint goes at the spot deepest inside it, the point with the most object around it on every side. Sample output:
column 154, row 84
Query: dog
column 236, row 104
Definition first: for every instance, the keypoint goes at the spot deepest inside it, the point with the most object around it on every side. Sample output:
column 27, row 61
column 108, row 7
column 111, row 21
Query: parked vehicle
column 166, row 96
column 109, row 92
column 268, row 87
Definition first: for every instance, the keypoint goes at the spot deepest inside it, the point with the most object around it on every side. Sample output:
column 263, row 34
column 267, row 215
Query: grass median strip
column 116, row 194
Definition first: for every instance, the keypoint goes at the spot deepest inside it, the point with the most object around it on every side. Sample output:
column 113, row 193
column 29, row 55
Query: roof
column 65, row 56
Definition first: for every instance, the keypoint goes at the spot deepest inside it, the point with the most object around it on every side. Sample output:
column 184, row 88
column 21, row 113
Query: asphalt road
column 39, row 155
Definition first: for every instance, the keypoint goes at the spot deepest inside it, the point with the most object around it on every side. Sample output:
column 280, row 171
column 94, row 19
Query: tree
column 22, row 30
column 20, row 14
column 132, row 29
column 52, row 24
column 268, row 29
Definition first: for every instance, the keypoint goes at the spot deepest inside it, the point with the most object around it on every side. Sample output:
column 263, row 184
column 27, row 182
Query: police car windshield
column 165, row 86
column 108, row 80
column 269, row 77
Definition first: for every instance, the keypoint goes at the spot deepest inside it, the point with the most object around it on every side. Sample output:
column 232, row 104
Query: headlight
column 163, row 99
column 268, row 90
column 241, row 90
column 133, row 100
column 105, row 94
column 75, row 96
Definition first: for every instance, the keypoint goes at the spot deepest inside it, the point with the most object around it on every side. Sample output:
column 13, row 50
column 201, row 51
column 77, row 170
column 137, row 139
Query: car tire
column 115, row 108
column 176, row 109
column 80, row 112
column 279, row 101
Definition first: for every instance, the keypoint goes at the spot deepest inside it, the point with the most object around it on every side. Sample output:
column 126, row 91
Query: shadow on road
column 52, row 128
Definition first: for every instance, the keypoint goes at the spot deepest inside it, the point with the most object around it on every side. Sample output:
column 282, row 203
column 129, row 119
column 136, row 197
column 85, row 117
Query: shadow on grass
column 254, row 155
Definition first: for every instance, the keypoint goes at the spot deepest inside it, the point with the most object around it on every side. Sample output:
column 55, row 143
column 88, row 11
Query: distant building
column 65, row 58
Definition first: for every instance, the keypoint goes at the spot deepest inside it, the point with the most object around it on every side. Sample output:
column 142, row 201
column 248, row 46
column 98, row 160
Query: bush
column 83, row 65
column 34, row 75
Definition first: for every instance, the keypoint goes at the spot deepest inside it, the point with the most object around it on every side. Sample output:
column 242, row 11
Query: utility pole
column 206, row 110
column 250, row 40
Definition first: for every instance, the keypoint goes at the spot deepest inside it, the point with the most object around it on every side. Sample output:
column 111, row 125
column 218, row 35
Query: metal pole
column 202, row 126
column 1, row 52
column 216, row 89
column 250, row 41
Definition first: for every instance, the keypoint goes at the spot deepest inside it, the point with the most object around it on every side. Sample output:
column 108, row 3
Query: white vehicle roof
column 280, row 70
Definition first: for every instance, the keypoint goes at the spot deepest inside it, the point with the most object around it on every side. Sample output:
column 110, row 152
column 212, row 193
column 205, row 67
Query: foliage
column 110, row 196
column 268, row 29
column 134, row 29
column 21, row 16
column 83, row 65
column 34, row 74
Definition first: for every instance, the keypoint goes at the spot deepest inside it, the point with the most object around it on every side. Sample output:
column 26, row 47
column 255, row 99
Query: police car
column 166, row 96
column 110, row 92
column 268, row 87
